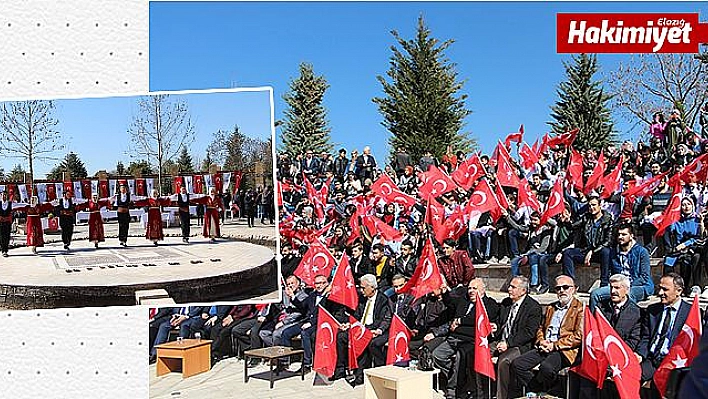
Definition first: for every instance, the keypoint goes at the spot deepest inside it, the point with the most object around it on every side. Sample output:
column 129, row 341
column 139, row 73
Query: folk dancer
column 5, row 223
column 34, row 231
column 153, row 230
column 67, row 217
column 122, row 204
column 95, row 221
column 211, row 218
column 184, row 217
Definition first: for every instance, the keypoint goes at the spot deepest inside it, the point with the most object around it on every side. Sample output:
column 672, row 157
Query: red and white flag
column 594, row 364
column 555, row 204
column 566, row 138
column 436, row 183
column 528, row 156
column 398, row 337
column 671, row 214
column 317, row 260
column 527, row 197
column 483, row 200
column 482, row 356
column 359, row 338
column 624, row 366
column 684, row 348
column 325, row 343
column 575, row 169
column 515, row 137
column 468, row 172
column 387, row 189
column 597, row 174
column 426, row 277
column 343, row 288
column 506, row 174
column 612, row 183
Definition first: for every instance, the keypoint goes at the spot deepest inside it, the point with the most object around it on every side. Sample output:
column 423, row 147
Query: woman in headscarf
column 681, row 239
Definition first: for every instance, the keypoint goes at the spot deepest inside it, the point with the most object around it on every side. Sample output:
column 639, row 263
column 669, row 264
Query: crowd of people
column 548, row 207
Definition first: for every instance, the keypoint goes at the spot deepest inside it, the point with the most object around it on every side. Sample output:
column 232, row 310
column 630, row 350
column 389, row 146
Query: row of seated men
column 524, row 336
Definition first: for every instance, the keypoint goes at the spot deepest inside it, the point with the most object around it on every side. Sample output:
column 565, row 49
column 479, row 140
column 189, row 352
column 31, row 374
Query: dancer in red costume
column 95, row 222
column 35, row 234
column 213, row 205
column 153, row 231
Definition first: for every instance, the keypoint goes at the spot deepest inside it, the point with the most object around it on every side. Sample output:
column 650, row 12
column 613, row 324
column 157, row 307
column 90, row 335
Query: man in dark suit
column 227, row 317
column 402, row 302
column 162, row 315
column 625, row 317
column 661, row 324
column 365, row 164
column 177, row 317
column 246, row 332
column 558, row 341
column 67, row 216
column 519, row 319
column 374, row 312
column 310, row 166
column 455, row 354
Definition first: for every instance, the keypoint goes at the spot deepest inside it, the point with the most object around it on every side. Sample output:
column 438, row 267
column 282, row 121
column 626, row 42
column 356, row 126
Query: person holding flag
column 624, row 317
column 449, row 356
column 661, row 324
column 558, row 340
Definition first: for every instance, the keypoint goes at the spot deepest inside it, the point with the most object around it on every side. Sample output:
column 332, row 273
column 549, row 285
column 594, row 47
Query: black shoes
column 153, row 359
column 338, row 375
column 356, row 381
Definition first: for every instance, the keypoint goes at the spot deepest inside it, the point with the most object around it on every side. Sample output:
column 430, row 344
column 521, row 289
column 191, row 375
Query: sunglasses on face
column 560, row 288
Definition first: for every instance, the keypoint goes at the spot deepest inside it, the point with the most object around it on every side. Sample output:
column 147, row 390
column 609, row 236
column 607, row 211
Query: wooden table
column 272, row 354
column 389, row 382
column 191, row 356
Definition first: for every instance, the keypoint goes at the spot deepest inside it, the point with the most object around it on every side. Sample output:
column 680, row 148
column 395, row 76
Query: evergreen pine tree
column 140, row 168
column 185, row 161
column 71, row 164
column 583, row 104
column 305, row 125
column 206, row 163
column 422, row 106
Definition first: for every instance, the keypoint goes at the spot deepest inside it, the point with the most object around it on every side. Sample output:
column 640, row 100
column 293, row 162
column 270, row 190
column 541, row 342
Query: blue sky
column 81, row 121
column 505, row 51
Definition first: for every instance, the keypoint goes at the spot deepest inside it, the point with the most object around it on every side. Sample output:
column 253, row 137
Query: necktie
column 510, row 321
column 366, row 312
column 399, row 302
column 664, row 330
column 615, row 316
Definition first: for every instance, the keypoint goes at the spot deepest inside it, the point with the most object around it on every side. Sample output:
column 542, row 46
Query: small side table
column 272, row 354
column 191, row 356
column 389, row 382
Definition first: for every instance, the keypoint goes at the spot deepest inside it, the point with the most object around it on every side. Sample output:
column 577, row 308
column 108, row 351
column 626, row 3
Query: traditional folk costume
column 34, row 231
column 211, row 217
column 153, row 231
column 183, row 204
column 67, row 217
column 123, row 204
column 5, row 226
column 95, row 222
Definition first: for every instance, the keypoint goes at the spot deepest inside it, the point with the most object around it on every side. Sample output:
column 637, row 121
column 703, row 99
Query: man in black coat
column 661, row 324
column 184, row 216
column 360, row 263
column 625, row 317
column 374, row 312
column 457, row 352
column 407, row 261
column 67, row 216
column 162, row 315
column 402, row 302
column 519, row 318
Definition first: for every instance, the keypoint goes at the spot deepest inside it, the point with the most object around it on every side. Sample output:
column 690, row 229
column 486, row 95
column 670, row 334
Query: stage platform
column 234, row 268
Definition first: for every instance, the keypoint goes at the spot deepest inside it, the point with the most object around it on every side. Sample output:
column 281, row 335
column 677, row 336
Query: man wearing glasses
column 402, row 301
column 558, row 340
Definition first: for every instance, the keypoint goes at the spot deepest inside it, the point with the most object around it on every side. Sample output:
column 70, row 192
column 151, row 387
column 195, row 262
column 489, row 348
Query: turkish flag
column 317, row 260
column 453, row 226
column 398, row 337
column 566, row 138
column 236, row 178
column 178, row 182
column 387, row 189
column 325, row 343
column 527, row 197
column 359, row 338
column 11, row 190
column 377, row 226
column 684, row 348
column 543, row 147
column 102, row 189
column 436, row 183
column 69, row 187
column 594, row 365
column 51, row 192
column 597, row 174
column 86, row 188
column 528, row 156
column 501, row 197
column 670, row 215
column 697, row 168
column 611, row 183
column 343, row 288
column 575, row 169
column 435, row 215
column 515, row 137
column 218, row 182
column 623, row 364
column 468, row 172
column 426, row 277
column 483, row 200
column 198, row 183
column 555, row 204
column 506, row 173
column 647, row 187
column 482, row 356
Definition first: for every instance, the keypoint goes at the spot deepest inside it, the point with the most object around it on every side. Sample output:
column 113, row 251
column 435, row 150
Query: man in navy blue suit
column 661, row 324
column 177, row 317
